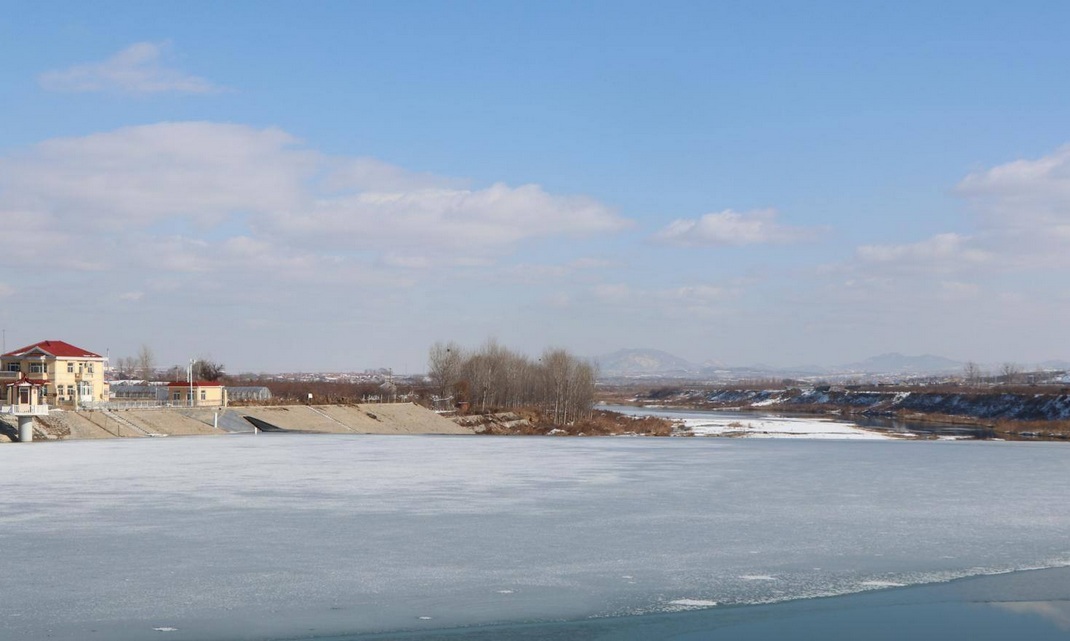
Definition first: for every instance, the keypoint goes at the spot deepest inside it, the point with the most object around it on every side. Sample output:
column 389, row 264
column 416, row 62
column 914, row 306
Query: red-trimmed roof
column 58, row 349
column 25, row 382
column 195, row 384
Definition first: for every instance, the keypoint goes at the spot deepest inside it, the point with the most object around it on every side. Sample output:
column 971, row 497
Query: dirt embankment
column 386, row 418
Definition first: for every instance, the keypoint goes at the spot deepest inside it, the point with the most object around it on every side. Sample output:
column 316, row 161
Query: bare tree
column 126, row 367
column 1010, row 372
column 568, row 386
column 205, row 369
column 972, row 373
column 146, row 362
column 444, row 367
column 559, row 384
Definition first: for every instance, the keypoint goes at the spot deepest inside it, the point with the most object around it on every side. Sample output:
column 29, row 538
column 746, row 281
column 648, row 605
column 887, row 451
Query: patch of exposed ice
column 693, row 603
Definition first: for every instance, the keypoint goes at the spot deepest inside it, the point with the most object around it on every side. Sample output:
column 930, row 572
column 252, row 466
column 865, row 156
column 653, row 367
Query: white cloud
column 959, row 290
column 733, row 228
column 141, row 68
column 1057, row 612
column 613, row 293
column 363, row 174
column 698, row 293
column 703, row 299
column 942, row 249
column 1023, row 207
column 476, row 220
column 1023, row 191
column 200, row 197
column 408, row 262
column 591, row 263
column 1021, row 215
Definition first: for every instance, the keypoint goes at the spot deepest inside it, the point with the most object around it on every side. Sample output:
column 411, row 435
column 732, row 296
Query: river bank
column 1018, row 415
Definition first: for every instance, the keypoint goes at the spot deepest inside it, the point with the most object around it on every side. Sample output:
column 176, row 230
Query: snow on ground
column 755, row 425
column 778, row 427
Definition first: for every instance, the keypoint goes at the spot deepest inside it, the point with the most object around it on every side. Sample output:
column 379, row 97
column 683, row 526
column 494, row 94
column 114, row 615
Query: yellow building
column 203, row 394
column 67, row 375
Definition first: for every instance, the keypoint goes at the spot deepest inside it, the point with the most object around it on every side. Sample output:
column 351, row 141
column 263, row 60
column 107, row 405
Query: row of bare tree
column 143, row 366
column 492, row 376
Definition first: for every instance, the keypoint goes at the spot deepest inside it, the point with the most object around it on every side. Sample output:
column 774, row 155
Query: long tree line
column 559, row 384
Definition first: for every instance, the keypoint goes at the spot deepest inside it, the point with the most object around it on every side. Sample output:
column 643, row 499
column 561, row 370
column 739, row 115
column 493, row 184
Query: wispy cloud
column 939, row 250
column 1023, row 206
column 732, row 228
column 141, row 68
column 1020, row 212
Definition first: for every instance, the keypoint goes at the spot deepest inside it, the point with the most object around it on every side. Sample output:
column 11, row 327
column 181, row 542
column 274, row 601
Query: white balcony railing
column 24, row 410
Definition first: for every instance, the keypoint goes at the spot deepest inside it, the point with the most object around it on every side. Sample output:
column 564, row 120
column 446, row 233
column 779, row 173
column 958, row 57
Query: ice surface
column 311, row 535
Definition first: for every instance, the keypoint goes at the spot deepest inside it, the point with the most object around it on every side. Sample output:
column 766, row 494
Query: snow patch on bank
column 779, row 427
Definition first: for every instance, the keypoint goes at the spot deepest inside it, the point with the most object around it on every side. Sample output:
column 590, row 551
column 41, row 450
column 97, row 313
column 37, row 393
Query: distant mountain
column 896, row 363
column 643, row 362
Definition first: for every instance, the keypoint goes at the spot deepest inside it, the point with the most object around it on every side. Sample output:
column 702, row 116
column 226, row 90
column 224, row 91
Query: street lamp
column 189, row 379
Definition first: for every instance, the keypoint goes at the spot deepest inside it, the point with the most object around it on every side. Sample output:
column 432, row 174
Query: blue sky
column 336, row 185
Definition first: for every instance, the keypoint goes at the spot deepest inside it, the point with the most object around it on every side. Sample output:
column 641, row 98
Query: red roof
column 55, row 348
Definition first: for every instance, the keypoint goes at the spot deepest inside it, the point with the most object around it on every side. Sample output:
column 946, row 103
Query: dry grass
column 601, row 423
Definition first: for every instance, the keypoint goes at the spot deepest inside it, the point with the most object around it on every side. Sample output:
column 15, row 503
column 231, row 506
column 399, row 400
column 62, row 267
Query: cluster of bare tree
column 143, row 366
column 493, row 377
column 1008, row 374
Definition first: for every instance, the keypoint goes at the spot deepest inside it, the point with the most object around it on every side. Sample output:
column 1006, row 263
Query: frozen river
column 286, row 536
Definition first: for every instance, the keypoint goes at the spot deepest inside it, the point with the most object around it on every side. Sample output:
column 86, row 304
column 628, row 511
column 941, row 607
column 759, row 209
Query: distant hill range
column 653, row 363
column 645, row 362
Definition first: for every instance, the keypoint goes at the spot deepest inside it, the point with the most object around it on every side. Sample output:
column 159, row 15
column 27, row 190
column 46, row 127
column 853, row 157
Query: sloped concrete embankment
column 392, row 418
column 386, row 418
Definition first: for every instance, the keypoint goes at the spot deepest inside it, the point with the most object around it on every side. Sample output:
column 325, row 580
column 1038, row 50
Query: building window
column 14, row 367
column 37, row 368
column 178, row 396
column 89, row 368
column 70, row 368
column 204, row 395
column 70, row 390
